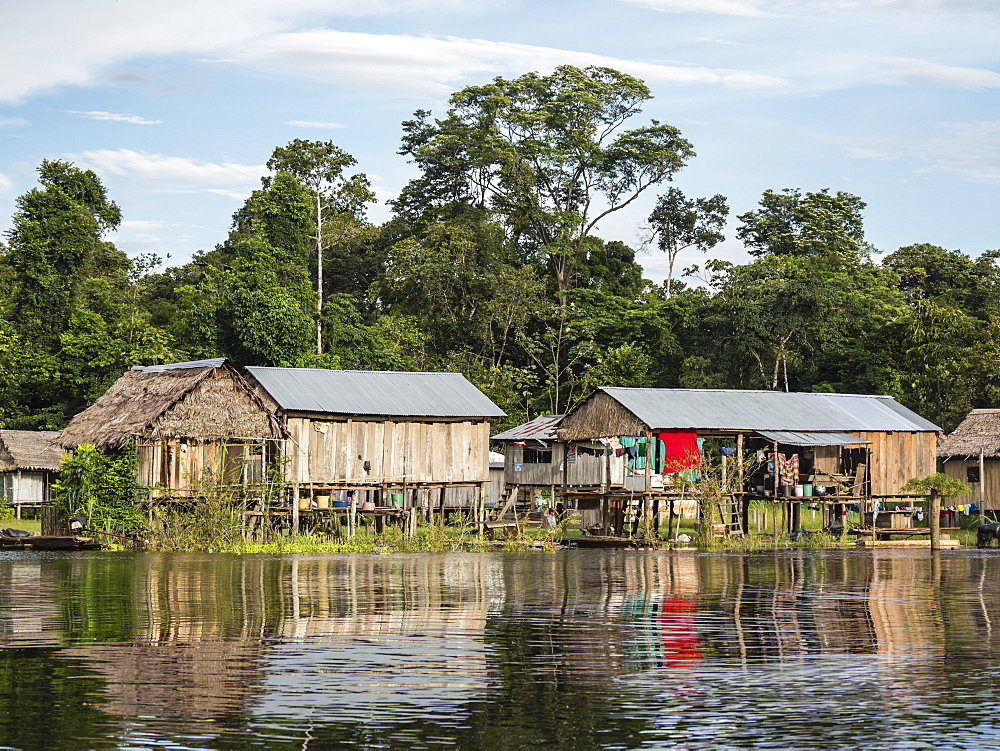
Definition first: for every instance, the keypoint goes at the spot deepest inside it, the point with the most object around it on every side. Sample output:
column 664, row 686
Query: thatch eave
column 152, row 405
column 978, row 434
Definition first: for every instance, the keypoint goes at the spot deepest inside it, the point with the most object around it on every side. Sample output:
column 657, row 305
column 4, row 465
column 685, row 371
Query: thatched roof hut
column 29, row 450
column 978, row 433
column 204, row 400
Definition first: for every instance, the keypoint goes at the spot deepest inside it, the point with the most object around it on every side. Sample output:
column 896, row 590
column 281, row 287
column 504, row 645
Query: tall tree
column 678, row 223
column 790, row 223
column 54, row 245
column 339, row 199
column 546, row 153
column 950, row 277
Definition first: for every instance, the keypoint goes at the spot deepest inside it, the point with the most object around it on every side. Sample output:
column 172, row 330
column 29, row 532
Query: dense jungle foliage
column 491, row 266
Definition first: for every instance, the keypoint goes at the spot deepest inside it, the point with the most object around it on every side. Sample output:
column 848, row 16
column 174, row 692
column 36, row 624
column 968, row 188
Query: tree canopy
column 492, row 263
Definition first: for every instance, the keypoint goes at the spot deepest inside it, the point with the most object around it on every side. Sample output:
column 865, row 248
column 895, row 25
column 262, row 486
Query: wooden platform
column 926, row 544
column 596, row 541
column 49, row 542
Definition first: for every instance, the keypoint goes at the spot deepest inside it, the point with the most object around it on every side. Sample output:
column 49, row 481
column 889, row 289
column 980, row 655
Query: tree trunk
column 934, row 522
column 319, row 273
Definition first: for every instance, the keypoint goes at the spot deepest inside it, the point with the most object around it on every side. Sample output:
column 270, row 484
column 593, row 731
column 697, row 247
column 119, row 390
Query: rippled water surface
column 575, row 649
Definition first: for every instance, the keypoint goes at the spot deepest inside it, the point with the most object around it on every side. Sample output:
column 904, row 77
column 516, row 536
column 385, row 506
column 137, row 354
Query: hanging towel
column 788, row 469
column 680, row 450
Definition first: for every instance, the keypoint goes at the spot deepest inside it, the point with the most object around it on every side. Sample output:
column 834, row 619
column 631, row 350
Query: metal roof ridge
column 745, row 391
column 346, row 370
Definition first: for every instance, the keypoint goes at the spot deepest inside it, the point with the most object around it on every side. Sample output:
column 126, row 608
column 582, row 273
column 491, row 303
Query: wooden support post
column 481, row 510
column 934, row 509
column 295, row 509
column 650, row 454
column 982, row 487
column 441, row 510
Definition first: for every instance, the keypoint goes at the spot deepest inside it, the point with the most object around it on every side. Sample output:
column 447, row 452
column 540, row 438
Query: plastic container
column 368, row 506
column 807, row 490
column 799, row 491
column 303, row 503
column 397, row 499
column 786, row 491
column 342, row 504
column 323, row 501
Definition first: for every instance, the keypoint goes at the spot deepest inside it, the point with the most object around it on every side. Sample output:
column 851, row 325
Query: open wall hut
column 972, row 454
column 838, row 432
column 423, row 435
column 776, row 446
column 190, row 422
column 29, row 464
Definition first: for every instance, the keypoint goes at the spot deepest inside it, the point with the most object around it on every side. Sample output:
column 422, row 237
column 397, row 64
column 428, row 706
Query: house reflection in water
column 184, row 645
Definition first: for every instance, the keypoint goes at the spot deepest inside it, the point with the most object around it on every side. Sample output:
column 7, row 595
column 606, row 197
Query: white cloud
column 113, row 117
column 6, row 184
column 904, row 71
column 717, row 7
column 13, row 122
column 968, row 149
column 313, row 124
column 49, row 43
column 143, row 225
column 812, row 7
column 174, row 173
column 404, row 63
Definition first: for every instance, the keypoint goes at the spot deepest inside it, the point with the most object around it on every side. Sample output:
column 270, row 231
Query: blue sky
column 177, row 104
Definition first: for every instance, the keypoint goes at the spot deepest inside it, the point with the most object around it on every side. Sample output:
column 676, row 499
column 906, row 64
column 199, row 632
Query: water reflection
column 578, row 649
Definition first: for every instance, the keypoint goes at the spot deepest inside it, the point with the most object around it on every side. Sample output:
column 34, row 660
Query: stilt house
column 422, row 436
column 972, row 454
column 832, row 435
column 188, row 421
column 29, row 464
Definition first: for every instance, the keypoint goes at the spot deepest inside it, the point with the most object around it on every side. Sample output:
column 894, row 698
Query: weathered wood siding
column 585, row 470
column 827, row 459
column 337, row 451
column 534, row 474
column 958, row 470
column 896, row 457
column 184, row 466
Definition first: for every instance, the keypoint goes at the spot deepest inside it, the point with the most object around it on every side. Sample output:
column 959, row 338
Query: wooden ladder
column 510, row 498
column 731, row 516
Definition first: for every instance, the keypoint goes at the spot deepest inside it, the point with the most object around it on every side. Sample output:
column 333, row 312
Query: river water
column 573, row 649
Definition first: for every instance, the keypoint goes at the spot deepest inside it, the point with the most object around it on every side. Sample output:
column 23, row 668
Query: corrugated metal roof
column 383, row 393
column 542, row 428
column 812, row 439
column 719, row 409
column 215, row 362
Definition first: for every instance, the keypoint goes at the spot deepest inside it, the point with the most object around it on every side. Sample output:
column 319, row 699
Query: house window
column 972, row 474
column 537, row 456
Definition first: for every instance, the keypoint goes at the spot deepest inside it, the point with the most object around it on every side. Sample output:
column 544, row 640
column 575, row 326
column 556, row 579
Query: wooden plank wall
column 534, row 474
column 329, row 451
column 958, row 468
column 585, row 471
column 896, row 457
column 183, row 466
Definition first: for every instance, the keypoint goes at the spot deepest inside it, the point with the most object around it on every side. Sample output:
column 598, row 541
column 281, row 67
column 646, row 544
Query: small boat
column 19, row 539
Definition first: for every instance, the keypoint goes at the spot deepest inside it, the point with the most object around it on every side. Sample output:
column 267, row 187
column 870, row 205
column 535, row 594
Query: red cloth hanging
column 680, row 450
